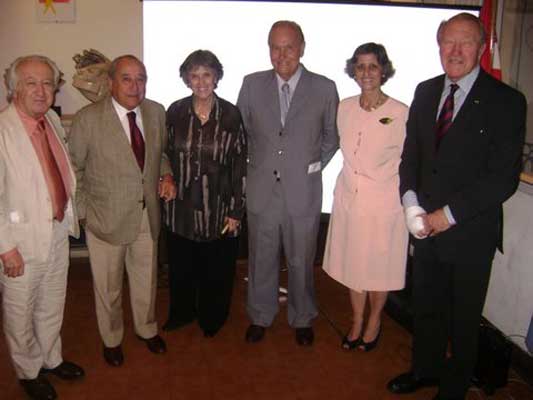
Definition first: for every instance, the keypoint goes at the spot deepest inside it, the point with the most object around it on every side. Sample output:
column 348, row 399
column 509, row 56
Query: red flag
column 490, row 59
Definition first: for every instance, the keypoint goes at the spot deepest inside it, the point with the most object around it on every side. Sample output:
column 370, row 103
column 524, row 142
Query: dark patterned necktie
column 137, row 141
column 446, row 114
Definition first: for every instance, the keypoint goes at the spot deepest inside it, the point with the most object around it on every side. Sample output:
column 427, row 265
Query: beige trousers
column 107, row 266
column 33, row 306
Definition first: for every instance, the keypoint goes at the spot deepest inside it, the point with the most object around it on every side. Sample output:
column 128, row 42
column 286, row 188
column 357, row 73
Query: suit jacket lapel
column 116, row 131
column 470, row 104
column 300, row 96
column 23, row 142
column 432, row 104
column 272, row 98
column 469, row 107
column 149, row 129
column 59, row 132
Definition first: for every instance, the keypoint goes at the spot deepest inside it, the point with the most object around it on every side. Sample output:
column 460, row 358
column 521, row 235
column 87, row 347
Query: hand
column 13, row 264
column 417, row 222
column 438, row 222
column 167, row 188
column 232, row 224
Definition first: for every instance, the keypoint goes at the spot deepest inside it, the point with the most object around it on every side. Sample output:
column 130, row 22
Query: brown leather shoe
column 305, row 336
column 114, row 356
column 155, row 344
column 255, row 333
column 38, row 388
column 66, row 370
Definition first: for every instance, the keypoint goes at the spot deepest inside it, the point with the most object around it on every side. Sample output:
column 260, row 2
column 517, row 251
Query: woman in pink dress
column 366, row 248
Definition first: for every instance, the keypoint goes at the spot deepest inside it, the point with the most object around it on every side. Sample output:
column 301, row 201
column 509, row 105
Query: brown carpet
column 225, row 367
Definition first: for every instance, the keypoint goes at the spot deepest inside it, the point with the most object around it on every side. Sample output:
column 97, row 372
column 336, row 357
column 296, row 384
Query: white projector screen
column 236, row 31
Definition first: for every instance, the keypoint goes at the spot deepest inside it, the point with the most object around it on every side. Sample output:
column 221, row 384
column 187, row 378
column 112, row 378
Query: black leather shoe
column 155, row 344
column 66, row 370
column 255, row 333
column 38, row 388
column 114, row 356
column 305, row 336
column 408, row 383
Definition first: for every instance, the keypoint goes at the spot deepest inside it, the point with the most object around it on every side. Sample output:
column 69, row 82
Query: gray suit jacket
column 299, row 150
column 111, row 187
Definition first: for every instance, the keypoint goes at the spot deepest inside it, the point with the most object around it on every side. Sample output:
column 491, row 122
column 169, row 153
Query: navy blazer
column 476, row 167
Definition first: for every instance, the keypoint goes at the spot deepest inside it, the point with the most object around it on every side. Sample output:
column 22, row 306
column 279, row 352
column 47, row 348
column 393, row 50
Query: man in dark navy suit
column 460, row 162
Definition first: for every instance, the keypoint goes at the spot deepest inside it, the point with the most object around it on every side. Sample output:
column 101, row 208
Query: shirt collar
column 29, row 123
column 466, row 82
column 122, row 111
column 293, row 80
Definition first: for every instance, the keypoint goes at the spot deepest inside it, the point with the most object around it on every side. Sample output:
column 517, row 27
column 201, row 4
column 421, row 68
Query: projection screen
column 236, row 31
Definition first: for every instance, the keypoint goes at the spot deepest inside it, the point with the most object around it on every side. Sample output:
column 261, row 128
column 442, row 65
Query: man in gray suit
column 117, row 148
column 290, row 117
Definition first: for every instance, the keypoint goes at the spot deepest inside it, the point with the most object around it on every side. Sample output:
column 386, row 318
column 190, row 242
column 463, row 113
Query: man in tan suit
column 37, row 187
column 117, row 149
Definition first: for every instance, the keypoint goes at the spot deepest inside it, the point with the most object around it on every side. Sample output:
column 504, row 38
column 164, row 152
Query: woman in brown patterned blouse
column 207, row 149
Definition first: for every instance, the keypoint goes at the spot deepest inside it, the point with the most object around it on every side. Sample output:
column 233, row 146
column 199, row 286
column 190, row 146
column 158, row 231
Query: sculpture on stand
column 91, row 74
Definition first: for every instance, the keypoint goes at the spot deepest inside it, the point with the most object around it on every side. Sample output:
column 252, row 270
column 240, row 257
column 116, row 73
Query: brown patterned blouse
column 209, row 166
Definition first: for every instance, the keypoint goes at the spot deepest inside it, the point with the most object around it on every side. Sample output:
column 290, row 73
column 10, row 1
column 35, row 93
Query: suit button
column 280, row 152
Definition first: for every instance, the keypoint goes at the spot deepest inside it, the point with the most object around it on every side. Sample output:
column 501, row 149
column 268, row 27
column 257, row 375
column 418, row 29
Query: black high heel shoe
column 348, row 344
column 364, row 346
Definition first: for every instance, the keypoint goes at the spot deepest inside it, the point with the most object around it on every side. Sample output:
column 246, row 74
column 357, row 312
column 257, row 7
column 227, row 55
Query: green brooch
column 386, row 120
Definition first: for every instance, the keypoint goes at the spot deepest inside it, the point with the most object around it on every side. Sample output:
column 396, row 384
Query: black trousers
column 201, row 276
column 448, row 299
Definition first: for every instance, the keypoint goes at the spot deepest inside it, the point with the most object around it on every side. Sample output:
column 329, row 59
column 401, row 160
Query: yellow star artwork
column 56, row 10
column 49, row 5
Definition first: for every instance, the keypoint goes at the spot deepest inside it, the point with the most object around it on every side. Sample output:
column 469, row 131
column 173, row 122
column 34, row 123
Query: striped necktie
column 446, row 114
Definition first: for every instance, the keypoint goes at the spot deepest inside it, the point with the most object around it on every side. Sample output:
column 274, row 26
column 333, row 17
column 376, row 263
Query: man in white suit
column 37, row 185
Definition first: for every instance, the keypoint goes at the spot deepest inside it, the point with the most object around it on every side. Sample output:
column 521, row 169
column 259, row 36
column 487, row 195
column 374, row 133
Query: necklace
column 199, row 110
column 368, row 106
column 201, row 115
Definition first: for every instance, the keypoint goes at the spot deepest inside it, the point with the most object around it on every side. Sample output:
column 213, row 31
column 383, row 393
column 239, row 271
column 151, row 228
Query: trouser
column 448, row 299
column 267, row 232
column 107, row 266
column 33, row 306
column 201, row 276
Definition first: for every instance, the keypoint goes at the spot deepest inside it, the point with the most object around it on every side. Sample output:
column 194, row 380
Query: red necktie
column 446, row 114
column 137, row 141
column 57, row 189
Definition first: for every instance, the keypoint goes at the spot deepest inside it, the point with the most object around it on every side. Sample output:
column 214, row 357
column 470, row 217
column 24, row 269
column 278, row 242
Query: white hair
column 11, row 75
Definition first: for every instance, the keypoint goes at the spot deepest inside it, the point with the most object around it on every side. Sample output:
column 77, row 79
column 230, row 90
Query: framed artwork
column 55, row 10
